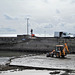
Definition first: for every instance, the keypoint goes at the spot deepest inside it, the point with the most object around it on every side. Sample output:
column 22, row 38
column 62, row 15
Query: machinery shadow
column 62, row 58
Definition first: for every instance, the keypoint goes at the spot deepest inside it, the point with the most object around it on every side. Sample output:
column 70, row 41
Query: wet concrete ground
column 42, row 61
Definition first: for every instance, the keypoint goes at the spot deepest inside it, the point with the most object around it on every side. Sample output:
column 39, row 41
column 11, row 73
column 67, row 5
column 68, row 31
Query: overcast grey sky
column 45, row 16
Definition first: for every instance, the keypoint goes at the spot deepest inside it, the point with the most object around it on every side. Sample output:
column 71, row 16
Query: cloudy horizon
column 45, row 16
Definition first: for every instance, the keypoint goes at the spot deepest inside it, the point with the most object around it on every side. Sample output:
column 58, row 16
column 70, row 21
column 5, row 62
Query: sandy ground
column 33, row 72
column 40, row 64
column 46, row 62
column 27, row 72
column 37, row 72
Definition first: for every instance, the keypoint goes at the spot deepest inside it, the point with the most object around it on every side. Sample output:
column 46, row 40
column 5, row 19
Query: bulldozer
column 60, row 51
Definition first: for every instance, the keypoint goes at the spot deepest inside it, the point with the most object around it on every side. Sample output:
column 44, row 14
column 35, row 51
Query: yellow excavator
column 60, row 51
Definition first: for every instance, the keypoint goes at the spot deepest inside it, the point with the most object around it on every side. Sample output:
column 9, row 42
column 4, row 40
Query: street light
column 27, row 26
column 44, row 33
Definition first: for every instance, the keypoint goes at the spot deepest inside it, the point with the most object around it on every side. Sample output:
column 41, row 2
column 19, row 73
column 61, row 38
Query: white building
column 63, row 34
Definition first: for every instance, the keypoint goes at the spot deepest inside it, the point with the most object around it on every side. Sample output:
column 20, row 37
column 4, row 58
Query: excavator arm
column 65, row 47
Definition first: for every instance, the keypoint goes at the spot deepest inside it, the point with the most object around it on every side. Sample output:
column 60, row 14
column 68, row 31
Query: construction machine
column 60, row 51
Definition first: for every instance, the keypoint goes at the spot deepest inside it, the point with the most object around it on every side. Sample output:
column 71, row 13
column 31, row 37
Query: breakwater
column 35, row 44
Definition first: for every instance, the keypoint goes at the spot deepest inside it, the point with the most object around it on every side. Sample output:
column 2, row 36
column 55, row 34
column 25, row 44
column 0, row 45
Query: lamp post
column 44, row 33
column 27, row 26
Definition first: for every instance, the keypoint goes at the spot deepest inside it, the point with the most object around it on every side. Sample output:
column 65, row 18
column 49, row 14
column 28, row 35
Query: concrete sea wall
column 41, row 44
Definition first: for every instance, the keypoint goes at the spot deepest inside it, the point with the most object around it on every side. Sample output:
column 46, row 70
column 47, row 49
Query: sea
column 5, row 56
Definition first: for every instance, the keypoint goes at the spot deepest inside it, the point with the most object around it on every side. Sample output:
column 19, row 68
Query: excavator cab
column 59, row 48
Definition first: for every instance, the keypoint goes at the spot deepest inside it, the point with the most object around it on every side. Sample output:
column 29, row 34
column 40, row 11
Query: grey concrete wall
column 37, row 44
